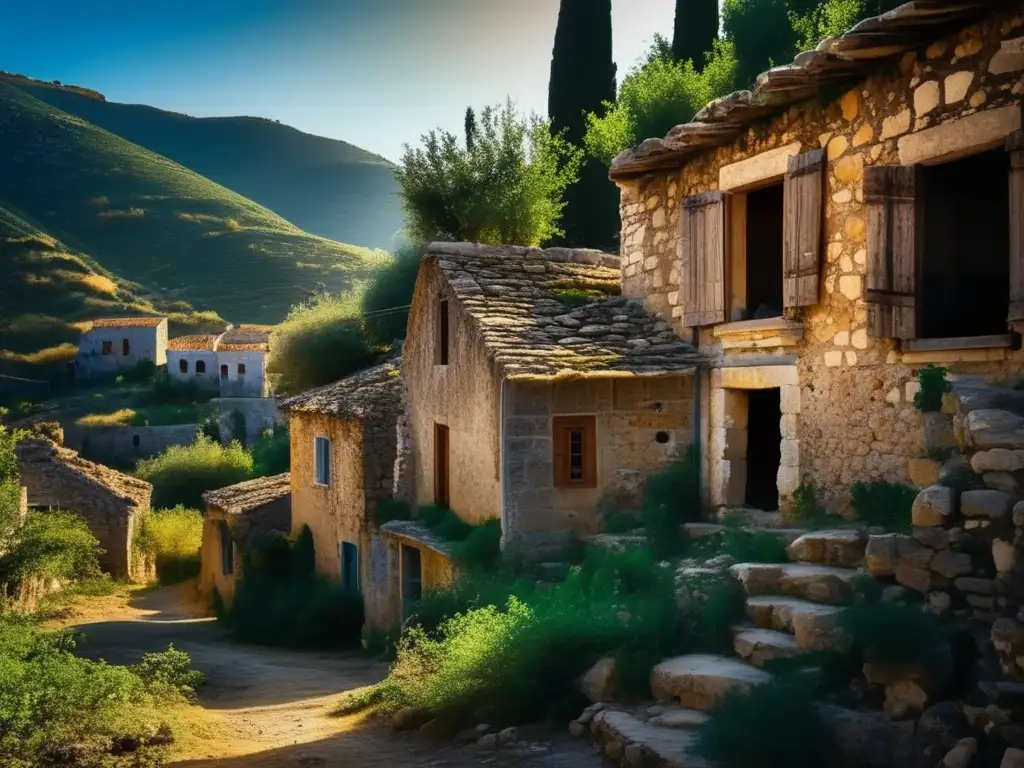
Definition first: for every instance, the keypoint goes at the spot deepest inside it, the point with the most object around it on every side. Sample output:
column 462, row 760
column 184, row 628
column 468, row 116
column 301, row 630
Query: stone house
column 111, row 503
column 236, row 517
column 194, row 358
column 535, row 391
column 343, row 446
column 821, row 249
column 233, row 362
column 114, row 344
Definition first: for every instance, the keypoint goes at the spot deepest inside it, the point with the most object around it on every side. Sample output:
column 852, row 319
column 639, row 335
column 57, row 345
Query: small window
column 241, row 369
column 200, row 366
column 575, row 445
column 183, row 366
column 126, row 347
column 223, row 371
column 349, row 566
column 442, row 332
column 108, row 347
column 136, row 441
column 227, row 549
column 412, row 579
column 322, row 460
column 441, row 477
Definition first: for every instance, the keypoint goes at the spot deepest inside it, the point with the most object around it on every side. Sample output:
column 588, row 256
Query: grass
column 150, row 416
column 173, row 538
column 119, row 418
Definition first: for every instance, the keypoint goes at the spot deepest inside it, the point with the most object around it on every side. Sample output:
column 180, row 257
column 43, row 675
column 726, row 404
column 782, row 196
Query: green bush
column 181, row 474
column 671, row 498
column 481, row 549
column 622, row 522
column 271, row 454
column 934, row 385
column 770, row 725
column 172, row 670
column 469, row 591
column 884, row 504
column 173, row 537
column 389, row 294
column 51, row 545
column 744, row 546
column 890, row 632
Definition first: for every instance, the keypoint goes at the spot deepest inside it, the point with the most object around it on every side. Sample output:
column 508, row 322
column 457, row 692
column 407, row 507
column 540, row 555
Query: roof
column 412, row 531
column 252, row 494
column 366, row 393
column 193, row 343
column 254, row 347
column 123, row 322
column 523, row 303
column 41, row 450
column 246, row 338
column 848, row 58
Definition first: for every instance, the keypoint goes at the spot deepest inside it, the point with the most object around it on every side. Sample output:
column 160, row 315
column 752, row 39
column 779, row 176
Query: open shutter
column 890, row 197
column 702, row 259
column 1015, row 146
column 801, row 229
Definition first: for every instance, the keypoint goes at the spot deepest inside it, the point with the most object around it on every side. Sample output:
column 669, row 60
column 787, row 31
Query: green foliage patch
column 671, row 498
column 884, row 504
column 934, row 385
column 173, row 537
column 181, row 474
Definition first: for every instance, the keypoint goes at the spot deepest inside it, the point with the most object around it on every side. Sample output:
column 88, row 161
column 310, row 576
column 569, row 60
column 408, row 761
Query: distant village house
column 233, row 362
column 110, row 345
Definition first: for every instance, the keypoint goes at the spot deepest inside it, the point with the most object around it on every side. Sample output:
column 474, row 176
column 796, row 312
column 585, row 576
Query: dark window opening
column 223, row 371
column 183, row 366
column 200, row 366
column 575, row 451
column 412, row 578
column 661, row 437
column 322, row 460
column 764, row 252
column 241, row 369
column 442, row 489
column 126, row 347
column 108, row 347
column 964, row 285
column 764, row 448
column 135, row 441
column 442, row 319
column 227, row 549
column 349, row 566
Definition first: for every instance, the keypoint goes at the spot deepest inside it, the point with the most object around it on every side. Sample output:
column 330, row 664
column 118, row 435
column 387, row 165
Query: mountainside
column 324, row 186
column 152, row 222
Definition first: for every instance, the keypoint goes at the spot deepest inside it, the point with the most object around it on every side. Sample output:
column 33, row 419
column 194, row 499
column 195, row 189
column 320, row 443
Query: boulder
column 904, row 699
column 1004, row 554
column 938, row 432
column 408, row 718
column 923, row 472
column 951, row 564
column 842, row 547
column 699, row 681
column 1008, row 641
column 888, row 551
column 988, row 503
column 1012, row 758
column 868, row 740
column 990, row 428
column 954, row 467
column 962, row 754
column 939, row 729
column 997, row 460
column 933, row 506
column 933, row 538
column 598, row 682
column 1002, row 481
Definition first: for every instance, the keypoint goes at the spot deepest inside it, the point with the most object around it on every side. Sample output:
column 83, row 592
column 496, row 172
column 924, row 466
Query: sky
column 375, row 73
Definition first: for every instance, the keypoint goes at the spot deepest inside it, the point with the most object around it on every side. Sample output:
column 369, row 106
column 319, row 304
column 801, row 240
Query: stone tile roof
column 246, row 338
column 123, row 322
column 193, row 343
column 412, row 531
column 252, row 494
column 40, row 450
column 523, row 303
column 839, row 60
column 359, row 396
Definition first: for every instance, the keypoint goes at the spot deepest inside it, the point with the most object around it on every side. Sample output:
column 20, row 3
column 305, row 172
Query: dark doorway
column 764, row 448
column 965, row 265
column 764, row 252
column 412, row 578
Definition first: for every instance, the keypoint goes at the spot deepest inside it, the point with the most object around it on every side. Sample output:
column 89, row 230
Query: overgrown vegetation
column 173, row 538
column 742, row 545
column 271, row 454
column 884, row 504
column 388, row 294
column 671, row 498
column 890, row 632
column 933, row 382
column 181, row 474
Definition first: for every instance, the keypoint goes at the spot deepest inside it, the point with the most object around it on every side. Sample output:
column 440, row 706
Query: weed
column 884, row 504
column 890, row 632
column 622, row 522
column 743, row 545
column 934, row 385
column 392, row 509
column 171, row 669
column 671, row 498
column 481, row 549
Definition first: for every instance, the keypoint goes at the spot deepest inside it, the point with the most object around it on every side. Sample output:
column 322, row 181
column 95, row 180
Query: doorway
column 764, row 448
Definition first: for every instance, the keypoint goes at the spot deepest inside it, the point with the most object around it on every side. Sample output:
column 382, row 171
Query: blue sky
column 377, row 73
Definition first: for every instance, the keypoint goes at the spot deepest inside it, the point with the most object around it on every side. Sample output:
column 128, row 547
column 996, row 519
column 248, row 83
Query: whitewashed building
column 114, row 344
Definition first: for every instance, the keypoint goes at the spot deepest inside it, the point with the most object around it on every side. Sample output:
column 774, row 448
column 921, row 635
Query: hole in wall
column 661, row 437
column 656, row 407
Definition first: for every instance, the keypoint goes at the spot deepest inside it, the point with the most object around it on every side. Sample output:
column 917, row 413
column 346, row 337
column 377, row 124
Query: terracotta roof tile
column 245, row 497
column 193, row 343
column 125, row 322
column 526, row 305
column 362, row 395
column 253, row 347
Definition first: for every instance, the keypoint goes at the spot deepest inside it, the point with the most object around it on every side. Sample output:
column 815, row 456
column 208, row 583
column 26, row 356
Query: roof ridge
column 591, row 256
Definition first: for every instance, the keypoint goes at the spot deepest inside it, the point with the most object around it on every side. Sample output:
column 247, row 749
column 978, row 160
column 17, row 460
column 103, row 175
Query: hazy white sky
column 377, row 73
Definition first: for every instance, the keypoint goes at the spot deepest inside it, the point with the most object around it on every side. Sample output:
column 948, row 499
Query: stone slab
column 841, row 547
column 758, row 645
column 815, row 627
column 699, row 681
column 817, row 583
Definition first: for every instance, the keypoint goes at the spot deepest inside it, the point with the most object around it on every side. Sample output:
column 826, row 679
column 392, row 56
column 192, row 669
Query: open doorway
column 764, row 448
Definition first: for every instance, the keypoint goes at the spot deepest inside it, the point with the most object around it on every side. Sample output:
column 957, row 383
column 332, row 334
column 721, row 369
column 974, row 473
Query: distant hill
column 149, row 222
column 324, row 186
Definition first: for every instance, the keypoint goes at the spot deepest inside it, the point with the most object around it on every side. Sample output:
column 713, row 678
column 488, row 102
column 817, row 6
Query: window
column 227, row 549
column 108, row 347
column 441, row 477
column 322, row 460
column 442, row 332
column 412, row 578
column 200, row 366
column 136, row 440
column 575, row 446
column 126, row 347
column 183, row 366
column 349, row 566
column 223, row 371
column 241, row 369
column 756, row 253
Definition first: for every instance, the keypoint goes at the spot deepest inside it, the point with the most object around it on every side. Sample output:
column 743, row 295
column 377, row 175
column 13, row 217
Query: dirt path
column 263, row 707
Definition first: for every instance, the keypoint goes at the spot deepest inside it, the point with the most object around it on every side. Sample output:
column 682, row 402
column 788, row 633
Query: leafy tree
column 507, row 189
column 583, row 82
column 387, row 298
column 695, row 32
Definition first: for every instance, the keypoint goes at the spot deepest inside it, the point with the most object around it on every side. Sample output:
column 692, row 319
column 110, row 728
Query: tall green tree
column 470, row 128
column 582, row 83
column 695, row 31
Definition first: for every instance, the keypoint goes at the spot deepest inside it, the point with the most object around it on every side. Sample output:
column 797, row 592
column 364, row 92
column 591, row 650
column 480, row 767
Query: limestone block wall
column 857, row 419
column 123, row 446
column 642, row 424
column 143, row 344
column 260, row 414
column 253, row 383
column 208, row 378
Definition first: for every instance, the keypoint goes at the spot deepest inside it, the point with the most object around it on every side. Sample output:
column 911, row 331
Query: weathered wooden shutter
column 801, row 228
column 890, row 197
column 702, row 259
column 1015, row 146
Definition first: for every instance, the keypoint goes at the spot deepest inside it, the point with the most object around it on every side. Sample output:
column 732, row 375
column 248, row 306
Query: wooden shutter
column 1015, row 146
column 801, row 229
column 891, row 201
column 702, row 259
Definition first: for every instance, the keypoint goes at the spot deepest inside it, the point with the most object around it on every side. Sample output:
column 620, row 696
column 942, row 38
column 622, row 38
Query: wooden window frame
column 443, row 331
column 442, row 466
column 562, row 428
column 322, row 468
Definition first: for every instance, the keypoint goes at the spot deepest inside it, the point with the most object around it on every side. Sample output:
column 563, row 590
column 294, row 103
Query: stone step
column 630, row 741
column 699, row 681
column 748, row 516
column 700, row 530
column 687, row 719
column 758, row 645
column 817, row 583
column 840, row 547
column 815, row 626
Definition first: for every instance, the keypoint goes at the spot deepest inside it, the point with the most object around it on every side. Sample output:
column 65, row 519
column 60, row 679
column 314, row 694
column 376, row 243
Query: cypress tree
column 582, row 79
column 696, row 30
column 470, row 128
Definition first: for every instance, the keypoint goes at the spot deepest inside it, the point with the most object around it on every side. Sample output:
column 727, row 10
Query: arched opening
column 224, row 371
column 200, row 366
column 183, row 366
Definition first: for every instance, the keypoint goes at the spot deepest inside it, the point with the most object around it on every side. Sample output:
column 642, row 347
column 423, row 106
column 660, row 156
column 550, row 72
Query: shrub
column 934, row 385
column 173, row 537
column 181, row 474
column 271, row 454
column 445, row 523
column 171, row 669
column 742, row 545
column 890, row 632
column 884, row 504
column 50, row 545
column 481, row 549
column 392, row 509
column 770, row 725
column 671, row 498
column 622, row 522
column 388, row 295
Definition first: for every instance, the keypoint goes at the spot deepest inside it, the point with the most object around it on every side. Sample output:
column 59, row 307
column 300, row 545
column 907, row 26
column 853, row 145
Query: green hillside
column 324, row 186
column 157, row 224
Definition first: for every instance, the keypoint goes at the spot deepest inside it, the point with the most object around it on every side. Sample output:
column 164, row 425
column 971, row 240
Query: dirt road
column 263, row 707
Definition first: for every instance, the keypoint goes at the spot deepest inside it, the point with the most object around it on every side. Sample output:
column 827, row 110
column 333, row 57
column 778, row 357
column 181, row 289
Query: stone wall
column 123, row 446
column 856, row 419
column 253, row 383
column 209, row 378
column 642, row 423
column 143, row 344
column 260, row 414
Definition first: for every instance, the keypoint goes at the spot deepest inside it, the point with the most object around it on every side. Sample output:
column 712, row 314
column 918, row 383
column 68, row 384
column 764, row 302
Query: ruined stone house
column 820, row 249
column 111, row 503
column 343, row 446
column 535, row 391
column 237, row 517
column 114, row 344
